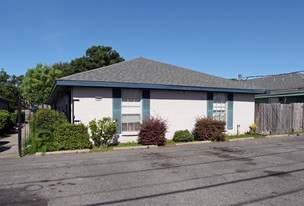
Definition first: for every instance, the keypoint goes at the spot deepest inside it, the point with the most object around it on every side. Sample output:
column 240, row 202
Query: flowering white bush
column 103, row 130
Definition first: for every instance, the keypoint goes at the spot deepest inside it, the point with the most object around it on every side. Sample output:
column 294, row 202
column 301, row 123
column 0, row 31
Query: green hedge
column 47, row 119
column 14, row 117
column 43, row 127
column 42, row 141
column 71, row 137
column 183, row 136
column 4, row 121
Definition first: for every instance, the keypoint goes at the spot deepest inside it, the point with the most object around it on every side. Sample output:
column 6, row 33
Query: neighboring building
column 283, row 88
column 134, row 90
column 4, row 103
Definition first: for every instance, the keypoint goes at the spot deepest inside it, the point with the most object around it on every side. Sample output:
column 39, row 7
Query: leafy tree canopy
column 96, row 56
column 64, row 67
column 10, row 85
column 38, row 83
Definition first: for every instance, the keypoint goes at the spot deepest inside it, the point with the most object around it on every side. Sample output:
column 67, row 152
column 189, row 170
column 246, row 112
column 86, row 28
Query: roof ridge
column 272, row 75
column 89, row 71
column 186, row 69
column 301, row 75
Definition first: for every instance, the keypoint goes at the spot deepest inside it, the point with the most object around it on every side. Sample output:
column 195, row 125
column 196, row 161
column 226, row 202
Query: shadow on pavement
column 4, row 142
column 2, row 149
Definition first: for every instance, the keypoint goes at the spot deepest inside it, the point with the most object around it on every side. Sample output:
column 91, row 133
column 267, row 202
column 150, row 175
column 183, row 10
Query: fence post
column 19, row 124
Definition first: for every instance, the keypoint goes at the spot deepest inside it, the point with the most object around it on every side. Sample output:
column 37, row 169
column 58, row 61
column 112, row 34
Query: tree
column 10, row 86
column 96, row 56
column 38, row 83
column 64, row 67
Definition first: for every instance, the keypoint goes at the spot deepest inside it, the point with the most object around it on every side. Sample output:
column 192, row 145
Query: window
column 219, row 106
column 130, row 109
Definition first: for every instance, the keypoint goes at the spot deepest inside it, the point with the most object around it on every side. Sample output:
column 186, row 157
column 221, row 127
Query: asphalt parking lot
column 256, row 172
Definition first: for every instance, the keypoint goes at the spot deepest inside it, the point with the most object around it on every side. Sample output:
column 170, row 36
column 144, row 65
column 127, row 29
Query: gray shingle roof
column 280, row 84
column 146, row 71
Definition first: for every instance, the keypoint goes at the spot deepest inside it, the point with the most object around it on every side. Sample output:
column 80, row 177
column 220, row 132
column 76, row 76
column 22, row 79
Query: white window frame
column 124, row 107
column 220, row 106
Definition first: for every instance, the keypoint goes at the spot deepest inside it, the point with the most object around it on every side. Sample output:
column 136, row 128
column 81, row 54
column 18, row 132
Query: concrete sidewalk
column 9, row 145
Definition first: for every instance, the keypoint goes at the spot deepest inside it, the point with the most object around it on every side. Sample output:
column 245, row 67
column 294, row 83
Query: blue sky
column 218, row 37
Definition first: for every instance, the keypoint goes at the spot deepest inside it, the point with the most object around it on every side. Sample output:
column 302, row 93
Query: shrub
column 4, row 120
column 153, row 131
column 253, row 128
column 47, row 119
column 42, row 141
column 6, row 123
column 103, row 130
column 183, row 136
column 32, row 126
column 209, row 129
column 72, row 136
column 14, row 117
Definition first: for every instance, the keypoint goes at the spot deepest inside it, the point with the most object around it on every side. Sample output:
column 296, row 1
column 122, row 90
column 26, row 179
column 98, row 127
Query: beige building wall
column 179, row 108
column 243, row 113
column 94, row 103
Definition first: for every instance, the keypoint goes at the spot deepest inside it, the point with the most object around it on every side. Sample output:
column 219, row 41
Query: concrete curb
column 241, row 139
column 193, row 143
column 63, row 152
column 135, row 148
column 284, row 135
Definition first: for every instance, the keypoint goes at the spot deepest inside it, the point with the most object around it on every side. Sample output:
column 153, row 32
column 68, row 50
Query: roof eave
column 153, row 86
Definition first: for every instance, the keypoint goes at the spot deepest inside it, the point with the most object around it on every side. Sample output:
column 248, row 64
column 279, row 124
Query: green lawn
column 256, row 136
column 169, row 143
column 128, row 144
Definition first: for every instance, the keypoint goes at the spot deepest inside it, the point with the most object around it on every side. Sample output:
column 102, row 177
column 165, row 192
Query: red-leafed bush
column 209, row 129
column 153, row 131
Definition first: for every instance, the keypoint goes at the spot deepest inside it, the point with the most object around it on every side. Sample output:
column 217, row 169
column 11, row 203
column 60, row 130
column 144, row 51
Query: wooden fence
column 279, row 118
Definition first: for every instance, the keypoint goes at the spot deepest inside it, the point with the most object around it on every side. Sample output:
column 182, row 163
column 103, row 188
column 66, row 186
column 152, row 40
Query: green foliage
column 14, row 117
column 50, row 131
column 256, row 136
column 47, row 119
column 103, row 130
column 10, row 86
column 38, row 83
column 32, row 126
column 70, row 137
column 96, row 56
column 170, row 142
column 209, row 129
column 4, row 121
column 64, row 67
column 153, row 132
column 183, row 136
column 253, row 128
column 43, row 126
column 43, row 141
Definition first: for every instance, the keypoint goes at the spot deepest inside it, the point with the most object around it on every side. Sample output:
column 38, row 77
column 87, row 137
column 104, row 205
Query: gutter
column 151, row 86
